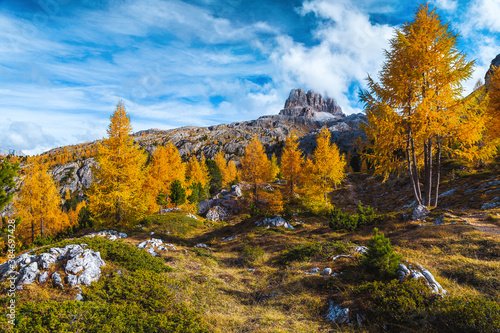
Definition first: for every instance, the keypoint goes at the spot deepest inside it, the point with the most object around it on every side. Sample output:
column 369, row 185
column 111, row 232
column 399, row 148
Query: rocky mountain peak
column 311, row 105
column 494, row 63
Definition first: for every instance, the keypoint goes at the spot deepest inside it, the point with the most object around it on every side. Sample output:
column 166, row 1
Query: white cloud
column 447, row 5
column 349, row 46
column 485, row 14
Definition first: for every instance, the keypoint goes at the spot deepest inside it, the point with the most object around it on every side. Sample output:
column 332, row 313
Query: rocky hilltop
column 311, row 105
column 494, row 64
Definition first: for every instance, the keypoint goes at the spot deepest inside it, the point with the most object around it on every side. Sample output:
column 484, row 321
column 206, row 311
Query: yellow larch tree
column 255, row 166
column 275, row 168
column 197, row 176
column 38, row 203
column 328, row 167
column 494, row 103
column 223, row 167
column 232, row 172
column 416, row 111
column 165, row 167
column 292, row 161
column 116, row 196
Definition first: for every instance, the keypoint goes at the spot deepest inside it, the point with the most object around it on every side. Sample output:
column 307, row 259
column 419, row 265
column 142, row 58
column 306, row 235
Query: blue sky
column 64, row 64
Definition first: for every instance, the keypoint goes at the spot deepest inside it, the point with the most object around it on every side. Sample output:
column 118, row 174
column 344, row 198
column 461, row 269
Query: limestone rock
column 417, row 272
column 337, row 314
column 419, row 213
column 72, row 280
column 28, row 274
column 42, row 278
column 275, row 222
column 327, row 271
column 310, row 105
column 56, row 280
column 46, row 260
column 217, row 213
column 204, row 206
column 236, row 191
column 494, row 63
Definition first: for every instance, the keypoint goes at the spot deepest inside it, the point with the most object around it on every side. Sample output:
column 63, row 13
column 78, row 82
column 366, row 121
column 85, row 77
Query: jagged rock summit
column 494, row 63
column 311, row 105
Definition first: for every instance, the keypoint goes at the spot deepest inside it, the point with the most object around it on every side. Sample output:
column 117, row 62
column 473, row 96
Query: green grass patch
column 177, row 224
column 303, row 252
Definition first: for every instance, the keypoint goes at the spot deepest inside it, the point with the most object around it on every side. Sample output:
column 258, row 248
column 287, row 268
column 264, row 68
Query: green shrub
column 142, row 301
column 459, row 314
column 255, row 211
column 395, row 304
column 251, row 255
column 305, row 252
column 380, row 258
column 343, row 221
column 287, row 213
column 177, row 193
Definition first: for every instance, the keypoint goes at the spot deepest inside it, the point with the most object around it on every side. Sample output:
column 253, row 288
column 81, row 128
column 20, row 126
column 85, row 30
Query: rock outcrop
column 274, row 222
column 494, row 63
column 81, row 265
column 311, row 105
column 417, row 272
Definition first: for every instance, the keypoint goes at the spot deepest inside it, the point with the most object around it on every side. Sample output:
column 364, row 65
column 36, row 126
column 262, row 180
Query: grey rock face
column 56, row 280
column 46, row 260
column 42, row 278
column 275, row 222
column 417, row 272
column 72, row 280
column 494, row 63
column 217, row 213
column 419, row 213
column 302, row 104
column 28, row 274
column 337, row 314
column 236, row 191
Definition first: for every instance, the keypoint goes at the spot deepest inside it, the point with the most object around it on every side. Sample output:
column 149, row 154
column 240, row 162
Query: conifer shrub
column 287, row 213
column 303, row 252
column 251, row 255
column 343, row 221
column 142, row 301
column 380, row 258
column 177, row 193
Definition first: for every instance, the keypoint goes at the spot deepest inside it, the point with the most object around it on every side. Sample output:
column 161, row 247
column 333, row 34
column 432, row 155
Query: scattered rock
column 439, row 220
column 46, row 260
column 56, row 280
column 267, row 296
column 236, row 191
column 154, row 244
column 341, row 256
column 275, row 222
column 419, row 213
column 203, row 246
column 28, row 274
column 449, row 192
column 42, row 278
column 79, row 297
column 204, row 206
column 337, row 314
column 191, row 216
column 72, row 280
column 495, row 203
column 417, row 272
column 108, row 234
column 327, row 271
column 315, row 270
column 230, row 238
column 360, row 249
column 217, row 213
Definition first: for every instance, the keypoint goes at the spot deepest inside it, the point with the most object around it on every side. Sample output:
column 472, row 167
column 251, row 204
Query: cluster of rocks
column 154, row 244
column 81, row 265
column 222, row 205
column 417, row 272
column 325, row 272
column 275, row 222
column 203, row 246
column 419, row 213
column 74, row 176
column 495, row 203
column 108, row 234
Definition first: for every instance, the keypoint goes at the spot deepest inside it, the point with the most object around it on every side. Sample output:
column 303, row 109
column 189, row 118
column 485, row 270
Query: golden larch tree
column 328, row 168
column 116, row 196
column 232, row 172
column 221, row 162
column 292, row 161
column 255, row 166
column 197, row 172
column 38, row 203
column 416, row 111
column 165, row 167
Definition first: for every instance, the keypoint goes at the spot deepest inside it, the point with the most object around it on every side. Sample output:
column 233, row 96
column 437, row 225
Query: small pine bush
column 287, row 213
column 177, row 193
column 343, row 221
column 380, row 258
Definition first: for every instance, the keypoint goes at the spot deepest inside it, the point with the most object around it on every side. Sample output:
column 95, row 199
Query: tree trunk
column 428, row 171
column 415, row 173
column 410, row 170
column 41, row 227
column 438, row 171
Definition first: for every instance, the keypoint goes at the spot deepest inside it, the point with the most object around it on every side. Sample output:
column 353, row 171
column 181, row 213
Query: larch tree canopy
column 255, row 166
column 328, row 167
column 416, row 110
column 292, row 161
column 37, row 203
column 116, row 196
